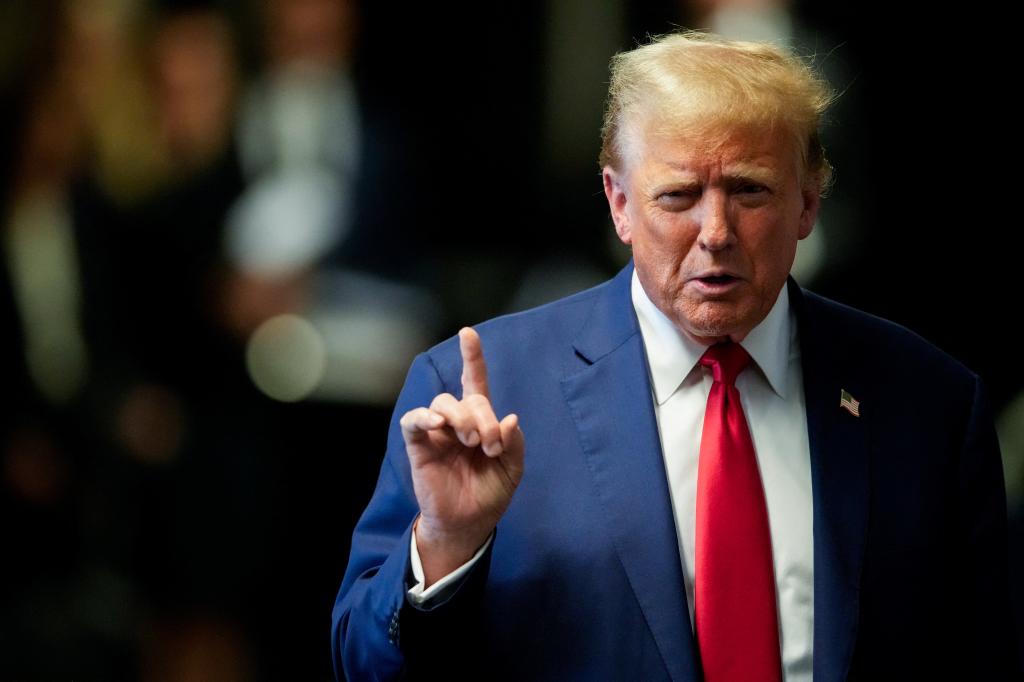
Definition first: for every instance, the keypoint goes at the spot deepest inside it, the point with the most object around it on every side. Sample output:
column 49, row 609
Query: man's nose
column 716, row 229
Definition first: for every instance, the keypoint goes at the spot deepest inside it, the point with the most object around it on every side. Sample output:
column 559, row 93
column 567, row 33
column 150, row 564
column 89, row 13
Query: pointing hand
column 465, row 463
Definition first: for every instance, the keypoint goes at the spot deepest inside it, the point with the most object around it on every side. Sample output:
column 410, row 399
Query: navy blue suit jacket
column 583, row 579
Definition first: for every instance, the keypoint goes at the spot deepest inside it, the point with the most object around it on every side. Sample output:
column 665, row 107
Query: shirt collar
column 672, row 355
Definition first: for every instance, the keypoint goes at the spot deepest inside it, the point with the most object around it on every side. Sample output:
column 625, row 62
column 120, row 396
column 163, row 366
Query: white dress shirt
column 771, row 392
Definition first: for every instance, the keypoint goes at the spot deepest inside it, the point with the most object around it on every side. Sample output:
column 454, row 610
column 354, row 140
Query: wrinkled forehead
column 654, row 137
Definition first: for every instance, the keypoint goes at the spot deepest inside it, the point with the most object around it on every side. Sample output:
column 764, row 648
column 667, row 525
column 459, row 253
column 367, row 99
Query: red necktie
column 734, row 582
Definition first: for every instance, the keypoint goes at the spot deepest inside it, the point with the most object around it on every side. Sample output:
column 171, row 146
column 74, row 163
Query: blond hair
column 702, row 86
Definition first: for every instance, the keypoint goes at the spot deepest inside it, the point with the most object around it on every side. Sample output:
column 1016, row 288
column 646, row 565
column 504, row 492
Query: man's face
column 713, row 228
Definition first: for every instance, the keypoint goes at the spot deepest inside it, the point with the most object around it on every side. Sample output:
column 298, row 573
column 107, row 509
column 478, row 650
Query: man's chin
column 712, row 325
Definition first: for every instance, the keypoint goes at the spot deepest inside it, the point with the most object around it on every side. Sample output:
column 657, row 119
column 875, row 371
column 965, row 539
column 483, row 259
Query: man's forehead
column 754, row 167
column 754, row 145
column 741, row 156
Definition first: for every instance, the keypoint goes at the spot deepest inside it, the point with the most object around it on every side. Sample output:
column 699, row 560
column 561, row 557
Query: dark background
column 163, row 514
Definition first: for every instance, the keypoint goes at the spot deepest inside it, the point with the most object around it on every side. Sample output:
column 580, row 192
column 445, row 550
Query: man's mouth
column 719, row 284
column 717, row 279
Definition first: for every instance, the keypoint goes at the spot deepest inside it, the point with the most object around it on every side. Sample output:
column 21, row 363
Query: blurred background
column 227, row 227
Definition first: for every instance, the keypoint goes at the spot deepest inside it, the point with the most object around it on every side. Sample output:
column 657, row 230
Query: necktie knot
column 726, row 361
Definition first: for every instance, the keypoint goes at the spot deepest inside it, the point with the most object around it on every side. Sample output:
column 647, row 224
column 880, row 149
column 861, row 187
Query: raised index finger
column 474, row 370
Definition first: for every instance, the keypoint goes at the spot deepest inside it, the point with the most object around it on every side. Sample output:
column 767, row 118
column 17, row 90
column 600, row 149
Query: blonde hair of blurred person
column 670, row 89
column 105, row 60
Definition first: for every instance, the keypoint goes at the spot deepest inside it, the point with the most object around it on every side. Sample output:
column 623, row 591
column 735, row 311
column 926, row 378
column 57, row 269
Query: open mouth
column 717, row 279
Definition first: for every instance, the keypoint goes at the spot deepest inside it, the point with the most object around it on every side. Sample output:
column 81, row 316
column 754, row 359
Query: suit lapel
column 839, row 479
column 611, row 404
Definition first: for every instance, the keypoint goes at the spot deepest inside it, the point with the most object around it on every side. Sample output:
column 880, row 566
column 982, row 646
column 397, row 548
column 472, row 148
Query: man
column 728, row 477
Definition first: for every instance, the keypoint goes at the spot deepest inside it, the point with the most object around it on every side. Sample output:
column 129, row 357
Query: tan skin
column 465, row 466
column 688, row 210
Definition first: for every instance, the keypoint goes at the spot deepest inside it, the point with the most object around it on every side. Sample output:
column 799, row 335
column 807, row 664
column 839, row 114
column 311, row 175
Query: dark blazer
column 583, row 578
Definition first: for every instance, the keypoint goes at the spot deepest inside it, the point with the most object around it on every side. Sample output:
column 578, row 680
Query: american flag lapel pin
column 846, row 400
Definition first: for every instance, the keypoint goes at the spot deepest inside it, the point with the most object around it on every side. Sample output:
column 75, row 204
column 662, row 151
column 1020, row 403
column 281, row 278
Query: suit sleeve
column 987, row 621
column 376, row 632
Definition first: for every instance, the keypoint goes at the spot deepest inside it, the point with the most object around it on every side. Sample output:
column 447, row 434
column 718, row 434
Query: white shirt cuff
column 420, row 595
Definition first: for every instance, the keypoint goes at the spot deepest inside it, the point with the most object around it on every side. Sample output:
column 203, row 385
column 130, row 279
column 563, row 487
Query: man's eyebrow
column 687, row 183
column 750, row 172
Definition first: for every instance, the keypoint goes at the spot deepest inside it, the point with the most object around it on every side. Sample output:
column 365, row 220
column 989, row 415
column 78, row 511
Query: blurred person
column 66, row 590
column 302, row 109
column 314, row 294
column 213, row 524
column 195, row 82
column 104, row 56
column 238, row 305
column 40, row 238
column 309, row 248
column 728, row 476
column 196, row 79
column 298, row 142
column 125, row 256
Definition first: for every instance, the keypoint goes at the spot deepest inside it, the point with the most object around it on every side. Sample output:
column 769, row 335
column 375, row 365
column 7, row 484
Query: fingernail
column 473, row 439
column 493, row 449
column 436, row 420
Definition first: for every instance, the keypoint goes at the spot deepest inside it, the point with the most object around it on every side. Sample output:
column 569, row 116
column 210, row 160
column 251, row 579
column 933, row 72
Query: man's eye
column 752, row 189
column 679, row 199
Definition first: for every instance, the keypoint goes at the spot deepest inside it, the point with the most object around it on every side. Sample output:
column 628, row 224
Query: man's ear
column 811, row 195
column 615, row 193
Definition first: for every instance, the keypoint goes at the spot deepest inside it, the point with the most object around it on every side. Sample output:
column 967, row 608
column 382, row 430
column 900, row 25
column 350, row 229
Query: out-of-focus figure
column 319, row 317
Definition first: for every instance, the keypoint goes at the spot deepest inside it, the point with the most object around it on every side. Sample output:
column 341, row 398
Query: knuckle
column 441, row 400
column 455, row 413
